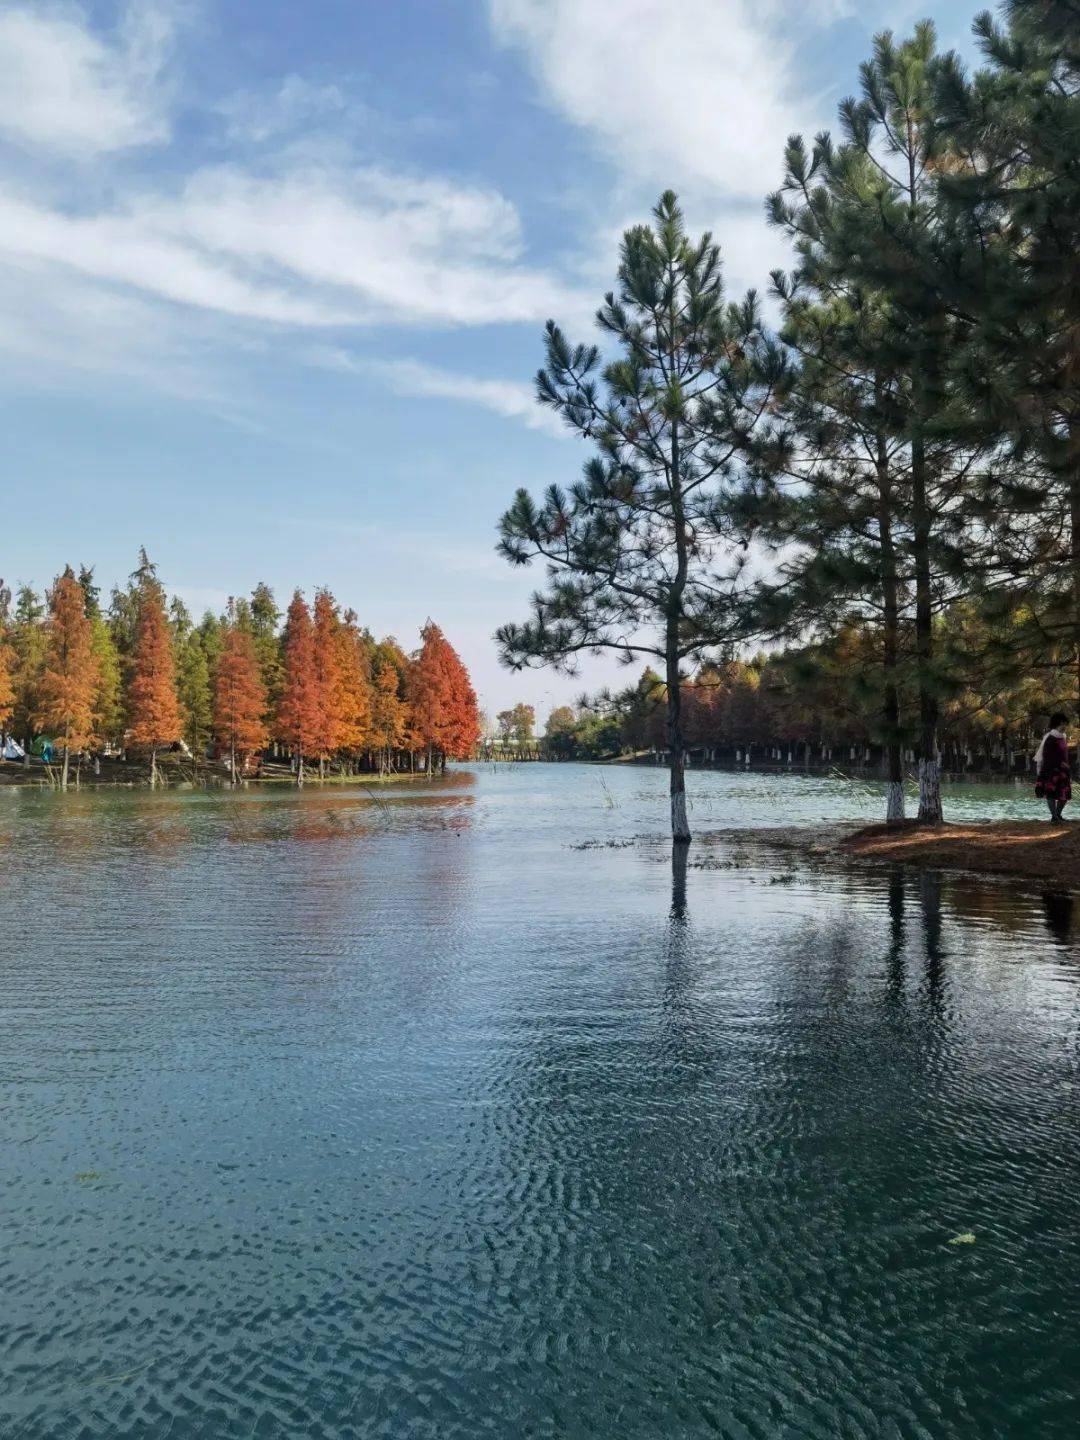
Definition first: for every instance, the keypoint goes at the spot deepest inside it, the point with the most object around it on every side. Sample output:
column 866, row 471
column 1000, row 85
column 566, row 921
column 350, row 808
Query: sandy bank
column 1028, row 849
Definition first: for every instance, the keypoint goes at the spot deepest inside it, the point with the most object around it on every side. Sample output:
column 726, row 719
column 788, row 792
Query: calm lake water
column 448, row 1111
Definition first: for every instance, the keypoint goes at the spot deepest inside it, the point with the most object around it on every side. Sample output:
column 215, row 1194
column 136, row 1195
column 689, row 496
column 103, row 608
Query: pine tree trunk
column 153, row 767
column 894, row 811
column 680, row 825
column 929, row 761
column 1074, row 523
column 65, row 770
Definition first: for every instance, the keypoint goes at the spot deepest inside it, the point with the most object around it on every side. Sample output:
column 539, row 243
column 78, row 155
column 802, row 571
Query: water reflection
column 1058, row 908
column 325, row 1121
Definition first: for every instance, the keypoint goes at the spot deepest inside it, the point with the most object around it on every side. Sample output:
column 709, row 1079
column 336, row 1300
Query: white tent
column 10, row 749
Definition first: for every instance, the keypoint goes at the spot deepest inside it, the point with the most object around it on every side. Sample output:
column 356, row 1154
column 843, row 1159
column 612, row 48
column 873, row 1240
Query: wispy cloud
column 307, row 247
column 67, row 89
column 698, row 96
column 512, row 399
column 706, row 90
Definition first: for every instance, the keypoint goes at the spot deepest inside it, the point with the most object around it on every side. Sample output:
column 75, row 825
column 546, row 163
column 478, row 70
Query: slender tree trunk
column 1074, row 556
column 153, row 767
column 65, row 769
column 890, row 598
column 232, row 760
column 929, row 760
column 300, row 769
column 680, row 825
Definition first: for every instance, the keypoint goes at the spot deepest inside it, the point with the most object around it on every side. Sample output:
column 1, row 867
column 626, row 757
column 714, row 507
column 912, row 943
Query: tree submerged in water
column 641, row 555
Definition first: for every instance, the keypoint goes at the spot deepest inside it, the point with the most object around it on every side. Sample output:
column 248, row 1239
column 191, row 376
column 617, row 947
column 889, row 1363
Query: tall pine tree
column 637, row 552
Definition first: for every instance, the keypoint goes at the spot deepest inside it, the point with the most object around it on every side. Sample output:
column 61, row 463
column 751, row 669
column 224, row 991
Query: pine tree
column 873, row 215
column 298, row 716
column 354, row 697
column 69, row 678
column 264, row 632
column 212, row 638
column 637, row 552
column 829, row 482
column 239, row 698
column 28, row 640
column 153, row 710
column 91, row 592
column 1014, row 272
column 194, row 695
column 108, row 695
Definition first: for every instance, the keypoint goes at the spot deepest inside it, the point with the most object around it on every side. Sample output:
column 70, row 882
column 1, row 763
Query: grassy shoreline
column 175, row 771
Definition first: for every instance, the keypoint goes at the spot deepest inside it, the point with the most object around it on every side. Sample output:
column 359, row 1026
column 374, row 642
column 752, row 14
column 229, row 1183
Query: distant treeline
column 139, row 675
column 820, row 706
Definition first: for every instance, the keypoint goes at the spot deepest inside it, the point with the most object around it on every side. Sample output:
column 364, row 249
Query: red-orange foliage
column 69, row 679
column 298, row 708
column 239, row 695
column 445, row 716
column 327, row 674
column 7, row 685
column 355, row 697
column 152, row 704
column 388, row 719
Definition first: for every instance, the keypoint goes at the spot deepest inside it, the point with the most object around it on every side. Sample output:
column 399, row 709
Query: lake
column 448, row 1111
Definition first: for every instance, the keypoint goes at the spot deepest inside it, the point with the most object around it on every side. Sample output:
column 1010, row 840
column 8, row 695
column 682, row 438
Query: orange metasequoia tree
column 354, row 693
column 444, row 713
column 298, row 716
column 69, row 679
column 326, row 632
column 389, row 716
column 7, row 686
column 239, row 696
column 153, row 709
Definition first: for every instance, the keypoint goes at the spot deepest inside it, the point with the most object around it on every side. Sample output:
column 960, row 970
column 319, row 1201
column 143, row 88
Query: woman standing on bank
column 1053, row 780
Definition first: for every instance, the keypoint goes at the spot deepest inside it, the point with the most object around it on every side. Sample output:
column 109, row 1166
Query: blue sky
column 273, row 276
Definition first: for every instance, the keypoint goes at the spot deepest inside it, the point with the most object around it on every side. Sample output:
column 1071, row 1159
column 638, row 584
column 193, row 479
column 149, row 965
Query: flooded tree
column 640, row 557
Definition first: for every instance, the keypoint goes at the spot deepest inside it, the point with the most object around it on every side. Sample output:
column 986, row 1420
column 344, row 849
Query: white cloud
column 702, row 91
column 66, row 89
column 699, row 97
column 310, row 247
column 510, row 398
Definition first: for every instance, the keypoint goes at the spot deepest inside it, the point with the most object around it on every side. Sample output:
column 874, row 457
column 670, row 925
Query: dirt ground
column 1034, row 849
column 1031, row 849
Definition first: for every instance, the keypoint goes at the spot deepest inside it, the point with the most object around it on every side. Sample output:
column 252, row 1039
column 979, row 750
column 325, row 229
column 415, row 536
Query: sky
column 273, row 277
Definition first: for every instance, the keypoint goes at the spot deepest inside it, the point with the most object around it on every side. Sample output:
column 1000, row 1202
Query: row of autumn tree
column 141, row 676
column 817, row 704
column 905, row 440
